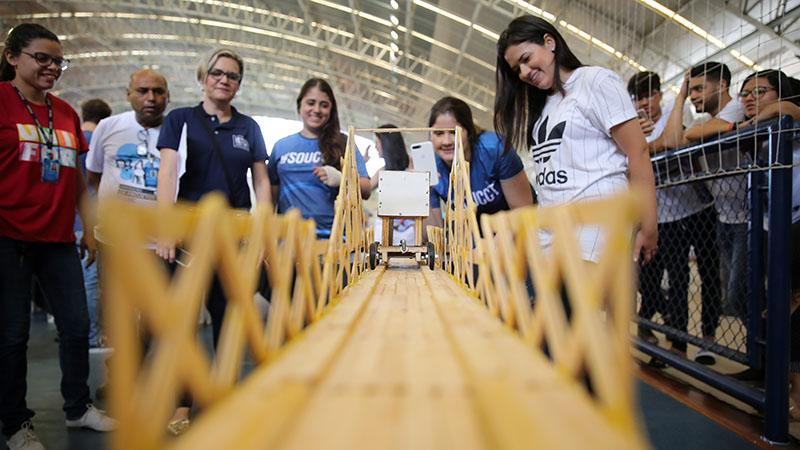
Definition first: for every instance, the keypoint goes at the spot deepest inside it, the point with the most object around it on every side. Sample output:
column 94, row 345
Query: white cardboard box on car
column 403, row 194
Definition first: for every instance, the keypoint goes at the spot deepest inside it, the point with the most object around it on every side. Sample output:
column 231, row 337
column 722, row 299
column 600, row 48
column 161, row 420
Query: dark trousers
column 57, row 266
column 675, row 238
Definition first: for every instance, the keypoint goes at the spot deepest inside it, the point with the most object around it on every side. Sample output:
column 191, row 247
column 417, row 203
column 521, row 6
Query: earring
column 553, row 49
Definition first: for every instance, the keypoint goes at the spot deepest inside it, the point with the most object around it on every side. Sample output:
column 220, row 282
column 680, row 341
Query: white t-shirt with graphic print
column 126, row 154
column 575, row 157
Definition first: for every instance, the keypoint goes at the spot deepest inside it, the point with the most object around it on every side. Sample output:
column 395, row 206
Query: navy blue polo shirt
column 239, row 139
column 487, row 168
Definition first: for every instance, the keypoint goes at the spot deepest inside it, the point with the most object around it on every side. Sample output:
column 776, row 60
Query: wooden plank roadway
column 407, row 360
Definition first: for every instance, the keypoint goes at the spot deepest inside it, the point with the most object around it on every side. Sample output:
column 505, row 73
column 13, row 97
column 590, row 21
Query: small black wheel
column 373, row 255
column 431, row 256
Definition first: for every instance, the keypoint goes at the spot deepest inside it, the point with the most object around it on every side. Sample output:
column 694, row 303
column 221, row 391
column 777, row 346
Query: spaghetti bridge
column 397, row 357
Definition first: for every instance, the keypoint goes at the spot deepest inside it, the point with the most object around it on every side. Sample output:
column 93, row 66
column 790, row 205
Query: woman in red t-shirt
column 40, row 139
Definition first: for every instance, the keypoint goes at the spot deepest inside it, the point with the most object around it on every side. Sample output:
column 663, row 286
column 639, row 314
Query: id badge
column 150, row 175
column 50, row 168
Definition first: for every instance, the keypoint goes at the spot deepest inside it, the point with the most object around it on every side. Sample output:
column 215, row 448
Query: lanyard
column 48, row 137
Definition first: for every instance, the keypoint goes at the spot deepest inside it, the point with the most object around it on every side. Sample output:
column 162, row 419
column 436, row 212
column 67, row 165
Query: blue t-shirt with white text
column 291, row 168
column 487, row 168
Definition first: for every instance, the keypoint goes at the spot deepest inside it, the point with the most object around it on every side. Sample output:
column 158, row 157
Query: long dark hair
column 778, row 80
column 516, row 102
column 19, row 38
column 463, row 115
column 331, row 141
column 393, row 148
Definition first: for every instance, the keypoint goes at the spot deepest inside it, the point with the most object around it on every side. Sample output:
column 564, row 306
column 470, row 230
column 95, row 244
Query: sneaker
column 647, row 335
column 101, row 346
column 24, row 439
column 93, row 418
column 705, row 357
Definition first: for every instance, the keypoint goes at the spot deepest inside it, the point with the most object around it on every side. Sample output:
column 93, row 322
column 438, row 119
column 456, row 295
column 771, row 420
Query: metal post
column 755, row 303
column 778, row 290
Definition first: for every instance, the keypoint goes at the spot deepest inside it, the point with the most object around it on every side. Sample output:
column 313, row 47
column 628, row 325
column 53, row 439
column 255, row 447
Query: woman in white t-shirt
column 579, row 124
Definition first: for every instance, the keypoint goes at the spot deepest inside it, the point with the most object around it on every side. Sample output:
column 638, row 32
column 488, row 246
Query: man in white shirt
column 685, row 218
column 707, row 88
column 123, row 160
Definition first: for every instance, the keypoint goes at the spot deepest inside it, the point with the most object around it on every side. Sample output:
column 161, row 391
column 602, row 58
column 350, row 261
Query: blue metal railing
column 669, row 167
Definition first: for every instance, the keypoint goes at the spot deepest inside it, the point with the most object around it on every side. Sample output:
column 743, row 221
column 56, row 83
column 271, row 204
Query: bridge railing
column 583, row 334
column 141, row 299
column 579, row 316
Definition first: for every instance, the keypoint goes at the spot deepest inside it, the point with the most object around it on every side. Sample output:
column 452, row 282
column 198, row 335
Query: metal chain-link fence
column 698, row 289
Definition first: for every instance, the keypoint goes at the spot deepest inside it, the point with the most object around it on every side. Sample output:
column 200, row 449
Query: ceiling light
column 394, row 34
column 537, row 11
column 442, row 12
column 394, row 47
column 600, row 44
column 395, row 21
column 691, row 26
column 394, row 4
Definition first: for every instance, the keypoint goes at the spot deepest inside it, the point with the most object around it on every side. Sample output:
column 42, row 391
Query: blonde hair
column 203, row 68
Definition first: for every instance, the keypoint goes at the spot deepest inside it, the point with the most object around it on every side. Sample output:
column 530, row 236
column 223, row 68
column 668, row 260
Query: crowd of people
column 578, row 123
column 709, row 217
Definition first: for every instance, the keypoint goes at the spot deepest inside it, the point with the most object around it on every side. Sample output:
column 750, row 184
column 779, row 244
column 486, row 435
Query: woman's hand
column 328, row 175
column 165, row 249
column 646, row 244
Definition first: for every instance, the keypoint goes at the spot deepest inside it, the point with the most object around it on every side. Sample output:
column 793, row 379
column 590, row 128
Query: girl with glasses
column 40, row 189
column 765, row 95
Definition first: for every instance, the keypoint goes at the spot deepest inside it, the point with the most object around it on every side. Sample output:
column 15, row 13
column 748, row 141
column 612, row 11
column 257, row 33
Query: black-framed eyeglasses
column 144, row 142
column 757, row 92
column 217, row 74
column 44, row 60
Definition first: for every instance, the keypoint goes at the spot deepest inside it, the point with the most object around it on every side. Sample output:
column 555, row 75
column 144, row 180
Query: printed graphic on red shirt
column 33, row 146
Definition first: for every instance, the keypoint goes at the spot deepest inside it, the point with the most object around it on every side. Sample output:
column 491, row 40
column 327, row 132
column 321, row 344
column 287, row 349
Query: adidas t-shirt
column 291, row 168
column 487, row 169
column 575, row 158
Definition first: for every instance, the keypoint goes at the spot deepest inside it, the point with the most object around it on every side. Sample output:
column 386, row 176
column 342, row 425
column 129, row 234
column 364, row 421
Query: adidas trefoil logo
column 544, row 145
column 541, row 152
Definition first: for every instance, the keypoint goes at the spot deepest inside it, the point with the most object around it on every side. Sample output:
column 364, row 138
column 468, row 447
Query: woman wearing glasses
column 765, row 95
column 40, row 188
column 221, row 145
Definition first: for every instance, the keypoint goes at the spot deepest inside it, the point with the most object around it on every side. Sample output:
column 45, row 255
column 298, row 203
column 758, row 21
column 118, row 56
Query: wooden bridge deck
column 407, row 359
